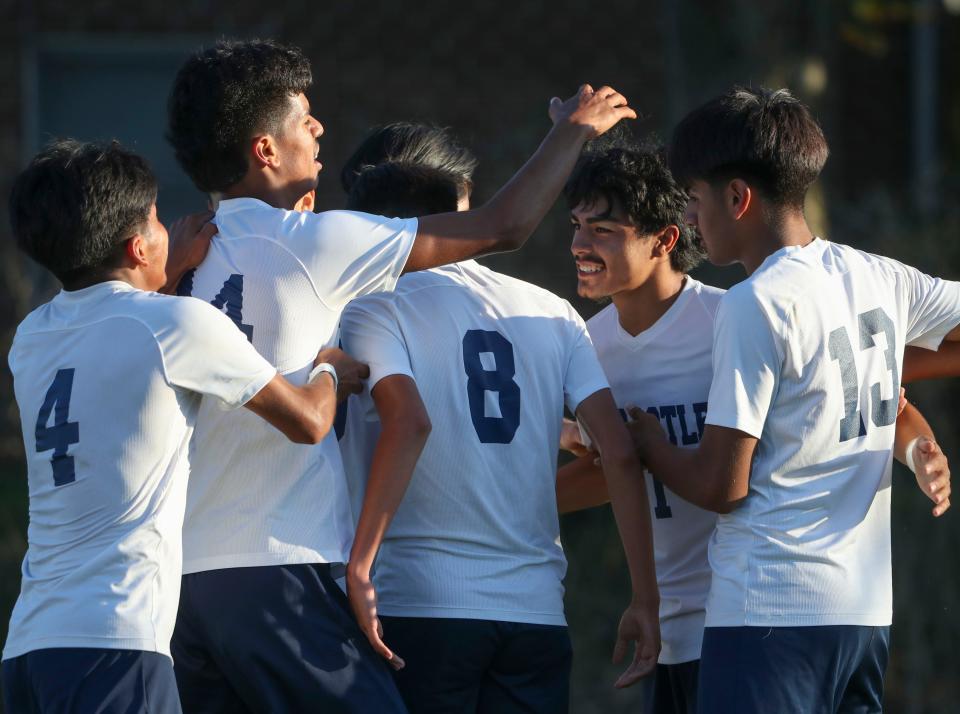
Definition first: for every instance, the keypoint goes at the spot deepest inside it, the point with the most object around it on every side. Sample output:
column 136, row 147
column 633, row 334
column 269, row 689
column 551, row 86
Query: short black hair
column 222, row 97
column 621, row 170
column 412, row 144
column 764, row 136
column 404, row 190
column 76, row 203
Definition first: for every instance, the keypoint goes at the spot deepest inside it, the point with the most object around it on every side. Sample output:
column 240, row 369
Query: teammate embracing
column 470, row 371
column 655, row 342
column 795, row 452
column 241, row 127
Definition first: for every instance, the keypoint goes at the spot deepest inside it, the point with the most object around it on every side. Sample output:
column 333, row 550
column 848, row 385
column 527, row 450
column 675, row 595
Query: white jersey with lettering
column 109, row 380
column 666, row 370
column 495, row 360
column 283, row 277
column 807, row 357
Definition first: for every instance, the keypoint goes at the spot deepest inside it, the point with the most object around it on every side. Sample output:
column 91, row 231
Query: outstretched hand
column 640, row 625
column 933, row 473
column 594, row 110
column 363, row 602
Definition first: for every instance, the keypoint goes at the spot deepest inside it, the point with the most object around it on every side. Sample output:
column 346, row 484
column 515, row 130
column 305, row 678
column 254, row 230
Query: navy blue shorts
column 671, row 689
column 459, row 666
column 67, row 680
column 278, row 638
column 793, row 670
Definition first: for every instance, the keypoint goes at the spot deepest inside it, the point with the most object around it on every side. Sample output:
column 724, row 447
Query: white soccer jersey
column 108, row 381
column 477, row 534
column 283, row 277
column 666, row 370
column 807, row 357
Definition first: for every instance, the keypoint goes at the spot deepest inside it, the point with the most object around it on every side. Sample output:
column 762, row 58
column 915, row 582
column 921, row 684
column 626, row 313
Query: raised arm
column 305, row 414
column 405, row 428
column 510, row 217
column 628, row 494
column 714, row 476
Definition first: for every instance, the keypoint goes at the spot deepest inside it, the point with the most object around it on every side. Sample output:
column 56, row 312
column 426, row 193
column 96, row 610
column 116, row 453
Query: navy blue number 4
column 62, row 433
column 491, row 430
column 230, row 298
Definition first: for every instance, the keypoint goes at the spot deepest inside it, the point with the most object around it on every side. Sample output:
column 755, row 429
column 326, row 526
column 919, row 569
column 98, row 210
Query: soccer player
column 108, row 377
column 795, row 451
column 241, row 127
column 470, row 372
column 654, row 343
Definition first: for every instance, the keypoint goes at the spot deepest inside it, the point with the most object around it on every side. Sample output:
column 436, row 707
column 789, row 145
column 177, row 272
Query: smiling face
column 610, row 253
column 297, row 147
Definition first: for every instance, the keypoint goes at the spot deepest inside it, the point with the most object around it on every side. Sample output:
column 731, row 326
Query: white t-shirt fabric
column 283, row 277
column 495, row 360
column 666, row 370
column 807, row 357
column 108, row 380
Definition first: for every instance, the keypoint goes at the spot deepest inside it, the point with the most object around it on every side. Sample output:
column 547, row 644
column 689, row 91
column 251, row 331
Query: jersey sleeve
column 934, row 308
column 584, row 376
column 746, row 365
column 349, row 254
column 204, row 352
column 370, row 333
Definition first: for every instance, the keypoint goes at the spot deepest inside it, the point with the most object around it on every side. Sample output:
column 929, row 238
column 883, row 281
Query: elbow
column 412, row 427
column 311, row 430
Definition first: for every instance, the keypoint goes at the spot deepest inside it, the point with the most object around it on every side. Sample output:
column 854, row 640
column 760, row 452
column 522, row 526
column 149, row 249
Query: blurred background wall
column 881, row 75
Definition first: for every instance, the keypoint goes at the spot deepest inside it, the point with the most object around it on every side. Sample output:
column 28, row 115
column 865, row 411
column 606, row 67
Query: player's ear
column 264, row 152
column 666, row 241
column 738, row 198
column 136, row 250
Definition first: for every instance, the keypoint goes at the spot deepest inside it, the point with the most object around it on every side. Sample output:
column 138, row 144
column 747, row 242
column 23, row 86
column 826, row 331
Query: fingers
column 640, row 667
column 374, row 632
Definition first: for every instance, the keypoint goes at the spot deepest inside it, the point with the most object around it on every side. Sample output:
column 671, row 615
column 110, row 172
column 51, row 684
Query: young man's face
column 610, row 254
column 298, row 148
column 706, row 212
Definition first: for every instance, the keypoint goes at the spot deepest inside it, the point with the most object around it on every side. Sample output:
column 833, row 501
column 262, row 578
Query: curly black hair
column 619, row 169
column 412, row 144
column 766, row 137
column 222, row 97
column 76, row 203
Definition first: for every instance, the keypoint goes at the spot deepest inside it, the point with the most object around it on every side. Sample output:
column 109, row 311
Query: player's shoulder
column 519, row 291
column 707, row 296
column 603, row 322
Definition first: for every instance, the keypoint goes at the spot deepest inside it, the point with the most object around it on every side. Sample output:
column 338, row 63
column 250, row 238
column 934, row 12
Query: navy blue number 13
column 62, row 432
column 491, row 429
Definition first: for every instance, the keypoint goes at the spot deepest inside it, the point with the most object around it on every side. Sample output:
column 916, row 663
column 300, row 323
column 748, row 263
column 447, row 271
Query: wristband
column 324, row 367
column 908, row 456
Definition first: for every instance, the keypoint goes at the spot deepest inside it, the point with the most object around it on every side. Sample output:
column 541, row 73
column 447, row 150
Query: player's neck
column 640, row 308
column 252, row 187
column 789, row 230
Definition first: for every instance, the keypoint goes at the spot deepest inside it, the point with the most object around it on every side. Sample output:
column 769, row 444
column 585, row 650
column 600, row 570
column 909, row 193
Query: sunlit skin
column 735, row 227
column 144, row 263
column 613, row 259
column 285, row 165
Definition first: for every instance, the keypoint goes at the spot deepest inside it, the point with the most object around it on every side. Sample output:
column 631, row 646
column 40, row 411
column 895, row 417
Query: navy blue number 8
column 63, row 433
column 229, row 297
column 491, row 430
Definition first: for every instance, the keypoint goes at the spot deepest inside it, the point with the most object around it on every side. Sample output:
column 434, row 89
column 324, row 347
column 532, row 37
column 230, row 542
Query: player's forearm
column 920, row 363
column 580, row 485
column 911, row 425
column 508, row 219
column 304, row 414
column 631, row 510
column 394, row 458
